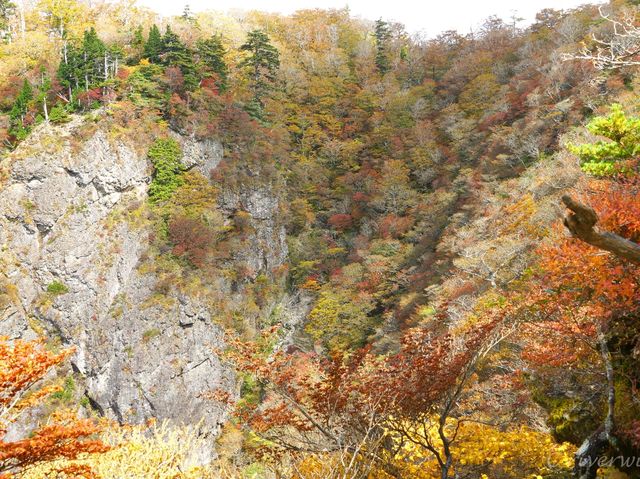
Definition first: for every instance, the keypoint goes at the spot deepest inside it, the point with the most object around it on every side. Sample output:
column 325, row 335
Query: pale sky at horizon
column 428, row 17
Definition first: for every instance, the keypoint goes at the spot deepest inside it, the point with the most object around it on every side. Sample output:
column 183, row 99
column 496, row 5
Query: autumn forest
column 314, row 246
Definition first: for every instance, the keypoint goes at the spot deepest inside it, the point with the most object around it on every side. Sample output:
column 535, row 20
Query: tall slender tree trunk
column 23, row 25
column 591, row 450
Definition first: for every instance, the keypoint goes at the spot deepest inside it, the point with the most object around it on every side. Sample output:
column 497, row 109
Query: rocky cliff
column 70, row 268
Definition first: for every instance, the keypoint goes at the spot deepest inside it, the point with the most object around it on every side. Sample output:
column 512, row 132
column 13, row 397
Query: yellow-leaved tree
column 140, row 452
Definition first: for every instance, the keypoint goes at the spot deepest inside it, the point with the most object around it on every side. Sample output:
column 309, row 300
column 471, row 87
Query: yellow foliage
column 488, row 452
column 161, row 452
column 479, row 450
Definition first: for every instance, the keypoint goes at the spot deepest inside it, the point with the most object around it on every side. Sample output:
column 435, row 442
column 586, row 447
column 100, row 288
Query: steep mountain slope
column 74, row 233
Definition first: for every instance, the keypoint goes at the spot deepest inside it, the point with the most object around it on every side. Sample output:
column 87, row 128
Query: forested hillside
column 252, row 245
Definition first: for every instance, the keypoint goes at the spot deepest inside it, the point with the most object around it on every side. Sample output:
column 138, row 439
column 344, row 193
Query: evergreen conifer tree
column 211, row 59
column 153, row 47
column 21, row 103
column 262, row 62
column 176, row 54
column 383, row 35
column 93, row 59
column 19, row 110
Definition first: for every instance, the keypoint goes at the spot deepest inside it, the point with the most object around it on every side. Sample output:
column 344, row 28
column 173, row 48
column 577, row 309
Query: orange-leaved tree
column 582, row 307
column 23, row 367
column 355, row 411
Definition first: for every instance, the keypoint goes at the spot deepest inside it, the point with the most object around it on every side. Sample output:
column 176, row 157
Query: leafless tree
column 621, row 49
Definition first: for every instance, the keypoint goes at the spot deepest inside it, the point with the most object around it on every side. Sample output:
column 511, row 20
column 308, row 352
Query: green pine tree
column 19, row 110
column 69, row 70
column 138, row 37
column 153, row 47
column 382, row 35
column 176, row 54
column 21, row 104
column 262, row 62
column 137, row 45
column 165, row 154
column 93, row 59
column 211, row 54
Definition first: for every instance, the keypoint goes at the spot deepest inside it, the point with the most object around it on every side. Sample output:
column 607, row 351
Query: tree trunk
column 581, row 221
column 23, row 26
column 591, row 450
column 587, row 456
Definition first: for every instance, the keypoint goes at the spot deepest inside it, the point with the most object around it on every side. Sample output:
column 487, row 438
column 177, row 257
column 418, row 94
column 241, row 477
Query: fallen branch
column 581, row 222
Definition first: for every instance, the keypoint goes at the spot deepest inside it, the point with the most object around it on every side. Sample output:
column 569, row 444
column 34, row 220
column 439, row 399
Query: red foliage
column 210, row 84
column 360, row 197
column 632, row 433
column 341, row 221
column 392, row 226
column 578, row 287
column 123, row 73
column 175, row 79
column 191, row 238
column 87, row 98
column 334, row 396
column 466, row 288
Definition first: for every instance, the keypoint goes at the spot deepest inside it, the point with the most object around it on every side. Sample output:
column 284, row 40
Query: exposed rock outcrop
column 69, row 267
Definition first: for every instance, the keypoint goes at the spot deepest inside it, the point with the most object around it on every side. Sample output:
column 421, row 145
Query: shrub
column 138, row 452
column 58, row 114
column 149, row 334
column 191, row 239
column 57, row 287
column 165, row 155
column 341, row 221
column 623, row 133
column 340, row 321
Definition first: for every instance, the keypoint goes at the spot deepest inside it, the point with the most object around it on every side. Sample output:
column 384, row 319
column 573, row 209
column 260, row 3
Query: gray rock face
column 267, row 243
column 203, row 155
column 142, row 354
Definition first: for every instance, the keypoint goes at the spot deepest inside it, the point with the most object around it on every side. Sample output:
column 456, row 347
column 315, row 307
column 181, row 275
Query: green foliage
column 262, row 62
column 149, row 334
column 145, row 90
column 211, row 54
column 623, row 133
column 68, row 388
column 174, row 53
column 153, row 47
column 165, row 156
column 92, row 65
column 7, row 9
column 138, row 38
column 57, row 287
column 21, row 104
column 382, row 35
column 250, row 390
column 86, row 66
column 58, row 114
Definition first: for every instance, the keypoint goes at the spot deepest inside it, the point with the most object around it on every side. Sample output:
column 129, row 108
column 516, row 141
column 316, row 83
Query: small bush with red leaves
column 191, row 239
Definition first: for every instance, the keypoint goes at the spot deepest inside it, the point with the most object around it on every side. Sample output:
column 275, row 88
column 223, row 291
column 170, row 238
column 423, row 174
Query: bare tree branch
column 581, row 223
column 621, row 50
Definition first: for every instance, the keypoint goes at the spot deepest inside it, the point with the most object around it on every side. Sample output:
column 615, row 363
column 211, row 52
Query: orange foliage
column 579, row 286
column 23, row 365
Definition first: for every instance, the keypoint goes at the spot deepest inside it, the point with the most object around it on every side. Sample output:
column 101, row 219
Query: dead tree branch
column 581, row 223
